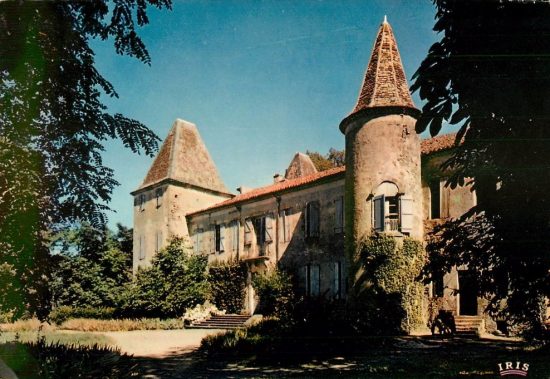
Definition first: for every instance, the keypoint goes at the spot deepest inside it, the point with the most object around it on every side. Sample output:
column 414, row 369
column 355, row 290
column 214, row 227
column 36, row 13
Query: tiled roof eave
column 379, row 111
column 339, row 174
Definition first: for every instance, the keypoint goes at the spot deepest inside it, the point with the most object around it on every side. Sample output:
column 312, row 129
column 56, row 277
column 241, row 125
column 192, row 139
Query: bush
column 200, row 312
column 276, row 293
column 32, row 324
column 227, row 282
column 387, row 298
column 91, row 325
column 43, row 360
column 176, row 280
column 61, row 314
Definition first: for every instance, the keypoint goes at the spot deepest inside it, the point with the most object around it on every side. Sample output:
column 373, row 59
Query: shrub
column 61, row 314
column 200, row 312
column 43, row 360
column 276, row 294
column 92, row 325
column 387, row 298
column 176, row 280
column 32, row 324
column 227, row 282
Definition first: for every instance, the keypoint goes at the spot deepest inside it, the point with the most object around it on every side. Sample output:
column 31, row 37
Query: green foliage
column 176, row 280
column 227, row 281
column 334, row 158
column 61, row 314
column 387, row 298
column 89, row 269
column 276, row 293
column 56, row 360
column 53, row 125
column 490, row 77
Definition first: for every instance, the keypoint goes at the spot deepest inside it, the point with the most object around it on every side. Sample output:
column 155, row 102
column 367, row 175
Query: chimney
column 243, row 189
column 277, row 178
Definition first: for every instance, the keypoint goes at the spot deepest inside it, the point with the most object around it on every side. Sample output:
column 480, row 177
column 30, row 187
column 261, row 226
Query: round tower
column 383, row 185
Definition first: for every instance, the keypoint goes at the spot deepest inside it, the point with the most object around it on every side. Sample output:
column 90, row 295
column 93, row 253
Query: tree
column 490, row 75
column 175, row 281
column 334, row 158
column 53, row 124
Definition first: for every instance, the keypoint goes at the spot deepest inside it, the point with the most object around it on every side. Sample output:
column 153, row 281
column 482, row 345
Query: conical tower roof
column 385, row 83
column 184, row 158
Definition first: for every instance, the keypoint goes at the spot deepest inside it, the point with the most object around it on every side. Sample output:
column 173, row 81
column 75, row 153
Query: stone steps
column 229, row 321
column 470, row 325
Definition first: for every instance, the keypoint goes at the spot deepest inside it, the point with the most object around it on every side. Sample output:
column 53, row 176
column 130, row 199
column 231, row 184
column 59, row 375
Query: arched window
column 391, row 210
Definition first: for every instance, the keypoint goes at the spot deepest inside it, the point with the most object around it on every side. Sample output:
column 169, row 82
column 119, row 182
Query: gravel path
column 159, row 343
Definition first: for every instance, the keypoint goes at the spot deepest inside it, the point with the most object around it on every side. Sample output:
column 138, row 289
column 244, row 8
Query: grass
column 292, row 353
column 94, row 325
column 60, row 337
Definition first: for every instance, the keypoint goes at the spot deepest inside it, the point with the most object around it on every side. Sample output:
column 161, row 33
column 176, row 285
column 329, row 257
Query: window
column 159, row 242
column 337, row 280
column 392, row 213
column 435, row 192
column 248, row 227
column 312, row 219
column 339, row 215
column 158, row 196
column 142, row 202
column 313, row 284
column 141, row 247
column 235, row 235
column 198, row 240
column 219, row 231
column 285, row 220
column 263, row 226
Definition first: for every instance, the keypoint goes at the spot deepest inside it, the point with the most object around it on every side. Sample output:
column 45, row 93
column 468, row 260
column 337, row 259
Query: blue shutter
column 378, row 213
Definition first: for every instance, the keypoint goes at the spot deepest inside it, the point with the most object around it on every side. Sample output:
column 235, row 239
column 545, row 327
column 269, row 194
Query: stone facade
column 310, row 222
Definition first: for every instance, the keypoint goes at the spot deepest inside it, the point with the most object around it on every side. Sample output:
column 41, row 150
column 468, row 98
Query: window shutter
column 378, row 212
column 235, row 235
column 406, row 214
column 269, row 228
column 286, row 219
column 315, row 280
column 212, row 239
column 222, row 238
column 141, row 247
column 339, row 215
column 315, row 227
column 337, row 280
column 248, row 231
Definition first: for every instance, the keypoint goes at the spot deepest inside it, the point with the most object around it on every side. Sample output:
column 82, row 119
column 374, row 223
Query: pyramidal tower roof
column 385, row 83
column 301, row 165
column 183, row 157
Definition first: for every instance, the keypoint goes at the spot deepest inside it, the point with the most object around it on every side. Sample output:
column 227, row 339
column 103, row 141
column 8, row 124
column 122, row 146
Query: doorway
column 467, row 291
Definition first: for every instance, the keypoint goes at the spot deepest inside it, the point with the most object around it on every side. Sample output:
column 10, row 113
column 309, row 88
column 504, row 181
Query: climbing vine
column 386, row 283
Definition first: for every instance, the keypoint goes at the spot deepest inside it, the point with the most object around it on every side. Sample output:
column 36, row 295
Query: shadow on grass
column 296, row 356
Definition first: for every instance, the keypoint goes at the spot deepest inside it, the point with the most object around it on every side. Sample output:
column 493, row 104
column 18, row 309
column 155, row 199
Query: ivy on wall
column 227, row 283
column 385, row 284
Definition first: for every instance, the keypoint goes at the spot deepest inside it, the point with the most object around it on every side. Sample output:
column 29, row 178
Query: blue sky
column 260, row 79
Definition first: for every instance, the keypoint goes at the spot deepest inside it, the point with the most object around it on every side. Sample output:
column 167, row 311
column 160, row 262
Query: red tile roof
column 277, row 187
column 385, row 83
column 427, row 146
column 435, row 144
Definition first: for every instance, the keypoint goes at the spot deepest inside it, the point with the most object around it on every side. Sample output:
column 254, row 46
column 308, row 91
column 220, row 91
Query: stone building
column 306, row 221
